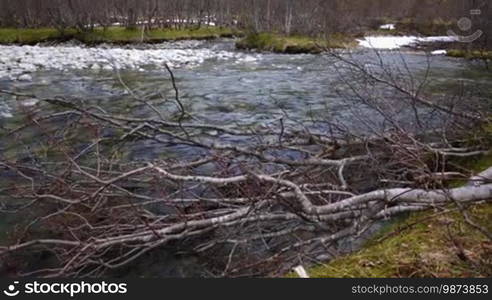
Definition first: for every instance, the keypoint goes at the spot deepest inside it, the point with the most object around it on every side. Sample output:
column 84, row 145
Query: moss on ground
column 29, row 36
column 118, row 35
column 426, row 244
column 470, row 54
column 123, row 35
column 293, row 44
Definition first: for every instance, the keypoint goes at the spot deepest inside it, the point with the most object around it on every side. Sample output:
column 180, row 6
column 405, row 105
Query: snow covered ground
column 396, row 42
column 17, row 61
column 439, row 52
column 388, row 27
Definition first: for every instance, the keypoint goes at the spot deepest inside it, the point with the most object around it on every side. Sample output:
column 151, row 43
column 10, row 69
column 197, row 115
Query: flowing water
column 217, row 84
column 222, row 86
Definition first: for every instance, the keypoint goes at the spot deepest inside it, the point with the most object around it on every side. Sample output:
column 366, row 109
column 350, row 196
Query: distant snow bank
column 388, row 27
column 439, row 52
column 16, row 61
column 396, row 42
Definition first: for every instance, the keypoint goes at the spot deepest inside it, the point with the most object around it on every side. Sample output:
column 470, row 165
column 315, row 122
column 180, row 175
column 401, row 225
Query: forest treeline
column 307, row 17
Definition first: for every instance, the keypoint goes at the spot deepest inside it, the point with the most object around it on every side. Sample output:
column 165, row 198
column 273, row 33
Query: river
column 217, row 84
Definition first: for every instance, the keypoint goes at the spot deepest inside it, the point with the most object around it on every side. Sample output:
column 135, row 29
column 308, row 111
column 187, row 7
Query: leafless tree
column 309, row 17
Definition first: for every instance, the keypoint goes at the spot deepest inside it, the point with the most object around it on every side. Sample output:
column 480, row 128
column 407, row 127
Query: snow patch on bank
column 17, row 61
column 439, row 52
column 396, row 42
column 388, row 27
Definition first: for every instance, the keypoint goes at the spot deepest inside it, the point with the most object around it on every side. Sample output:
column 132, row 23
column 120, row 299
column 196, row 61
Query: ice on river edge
column 388, row 27
column 396, row 42
column 16, row 61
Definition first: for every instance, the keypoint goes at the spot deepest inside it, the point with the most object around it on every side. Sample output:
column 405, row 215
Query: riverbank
column 407, row 30
column 245, row 92
column 112, row 35
column 18, row 63
column 470, row 54
column 430, row 244
column 425, row 244
column 293, row 44
column 270, row 42
column 435, row 45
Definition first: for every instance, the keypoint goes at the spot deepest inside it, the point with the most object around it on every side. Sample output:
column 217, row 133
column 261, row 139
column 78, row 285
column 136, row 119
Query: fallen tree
column 283, row 194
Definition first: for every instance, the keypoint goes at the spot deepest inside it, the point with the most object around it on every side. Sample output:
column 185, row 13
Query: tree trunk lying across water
column 285, row 194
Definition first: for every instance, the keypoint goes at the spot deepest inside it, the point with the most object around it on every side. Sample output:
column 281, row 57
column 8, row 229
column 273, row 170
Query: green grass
column 123, row 35
column 426, row 244
column 292, row 44
column 111, row 35
column 29, row 36
column 470, row 54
